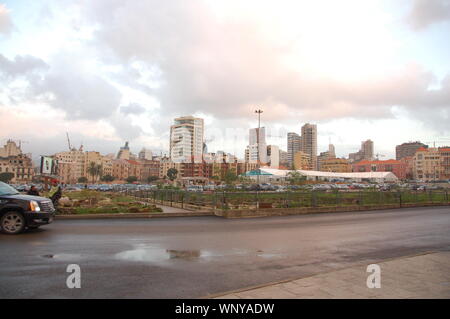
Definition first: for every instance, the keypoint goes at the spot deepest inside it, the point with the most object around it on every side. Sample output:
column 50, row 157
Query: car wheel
column 12, row 223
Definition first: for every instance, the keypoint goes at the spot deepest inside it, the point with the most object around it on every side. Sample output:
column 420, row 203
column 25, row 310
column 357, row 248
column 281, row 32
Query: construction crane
column 68, row 141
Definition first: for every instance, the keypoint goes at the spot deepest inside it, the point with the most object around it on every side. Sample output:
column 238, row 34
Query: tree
column 82, row 180
column 94, row 170
column 6, row 177
column 152, row 179
column 295, row 177
column 172, row 174
column 229, row 177
column 107, row 178
column 131, row 179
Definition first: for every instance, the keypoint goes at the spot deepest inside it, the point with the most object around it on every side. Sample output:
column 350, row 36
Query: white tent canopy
column 277, row 174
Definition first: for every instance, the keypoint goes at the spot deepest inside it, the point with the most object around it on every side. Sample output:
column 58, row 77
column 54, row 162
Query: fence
column 292, row 199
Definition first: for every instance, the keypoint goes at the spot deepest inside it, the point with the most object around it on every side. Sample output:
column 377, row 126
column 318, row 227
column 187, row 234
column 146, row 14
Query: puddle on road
column 156, row 255
column 183, row 254
column 153, row 254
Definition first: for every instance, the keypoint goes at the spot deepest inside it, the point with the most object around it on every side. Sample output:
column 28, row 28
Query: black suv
column 18, row 212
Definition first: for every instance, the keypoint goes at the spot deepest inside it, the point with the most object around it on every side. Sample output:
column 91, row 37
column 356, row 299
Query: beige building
column 10, row 149
column 337, row 165
column 74, row 164
column 302, row 161
column 166, row 164
column 12, row 160
column 426, row 164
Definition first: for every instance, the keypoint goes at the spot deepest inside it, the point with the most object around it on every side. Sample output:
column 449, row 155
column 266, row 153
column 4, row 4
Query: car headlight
column 34, row 206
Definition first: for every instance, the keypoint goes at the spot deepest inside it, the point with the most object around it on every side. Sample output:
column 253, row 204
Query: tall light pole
column 257, row 142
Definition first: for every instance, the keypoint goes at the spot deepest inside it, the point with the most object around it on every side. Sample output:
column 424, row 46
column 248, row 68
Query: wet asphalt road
column 194, row 257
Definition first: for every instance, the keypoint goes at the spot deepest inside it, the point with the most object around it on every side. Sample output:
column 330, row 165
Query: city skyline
column 63, row 70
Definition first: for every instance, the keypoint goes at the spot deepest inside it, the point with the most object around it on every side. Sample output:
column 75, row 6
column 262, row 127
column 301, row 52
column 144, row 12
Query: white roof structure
column 384, row 176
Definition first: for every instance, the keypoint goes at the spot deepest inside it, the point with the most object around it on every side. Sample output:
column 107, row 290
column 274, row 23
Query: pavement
column 193, row 257
column 168, row 209
column 426, row 276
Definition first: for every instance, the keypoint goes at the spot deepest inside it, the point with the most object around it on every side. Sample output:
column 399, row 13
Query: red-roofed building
column 398, row 168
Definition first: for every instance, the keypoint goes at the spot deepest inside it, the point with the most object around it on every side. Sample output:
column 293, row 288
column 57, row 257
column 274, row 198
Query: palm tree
column 99, row 171
column 94, row 170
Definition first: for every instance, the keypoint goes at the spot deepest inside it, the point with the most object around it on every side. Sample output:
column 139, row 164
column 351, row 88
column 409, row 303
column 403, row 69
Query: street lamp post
column 257, row 141
column 257, row 157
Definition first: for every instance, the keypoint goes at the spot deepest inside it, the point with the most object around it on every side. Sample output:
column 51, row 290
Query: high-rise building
column 294, row 142
column 365, row 153
column 367, row 150
column 273, row 156
column 145, row 154
column 187, row 139
column 257, row 148
column 124, row 152
column 284, row 159
column 407, row 149
column 309, row 143
column 331, row 151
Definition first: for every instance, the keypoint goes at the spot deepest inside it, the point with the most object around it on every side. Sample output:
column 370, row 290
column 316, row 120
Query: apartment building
column 186, row 139
column 302, row 161
column 336, row 165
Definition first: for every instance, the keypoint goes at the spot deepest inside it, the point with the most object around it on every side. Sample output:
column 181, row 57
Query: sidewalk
column 421, row 276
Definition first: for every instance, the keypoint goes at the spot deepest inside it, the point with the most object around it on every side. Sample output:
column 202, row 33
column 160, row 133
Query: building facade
column 365, row 153
column 337, row 165
column 13, row 161
column 398, row 168
column 302, row 161
column 408, row 149
column 273, row 156
column 257, row 149
column 294, row 142
column 186, row 139
column 431, row 164
column 309, row 143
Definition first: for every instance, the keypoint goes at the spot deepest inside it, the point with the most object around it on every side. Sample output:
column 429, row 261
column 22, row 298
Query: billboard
column 47, row 165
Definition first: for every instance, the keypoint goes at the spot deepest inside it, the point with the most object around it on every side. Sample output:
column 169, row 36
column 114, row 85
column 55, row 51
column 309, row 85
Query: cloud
column 6, row 24
column 226, row 66
column 22, row 65
column 427, row 12
column 132, row 108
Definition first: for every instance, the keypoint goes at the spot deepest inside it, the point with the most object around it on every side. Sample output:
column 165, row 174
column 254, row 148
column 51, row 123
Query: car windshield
column 5, row 189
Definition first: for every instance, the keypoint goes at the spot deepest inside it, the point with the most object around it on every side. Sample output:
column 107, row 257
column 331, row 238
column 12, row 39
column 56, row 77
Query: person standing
column 33, row 191
column 55, row 193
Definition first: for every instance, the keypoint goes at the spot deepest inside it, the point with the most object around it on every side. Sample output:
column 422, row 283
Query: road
column 198, row 256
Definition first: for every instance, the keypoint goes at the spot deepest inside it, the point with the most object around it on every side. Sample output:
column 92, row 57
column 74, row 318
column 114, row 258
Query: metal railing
column 226, row 200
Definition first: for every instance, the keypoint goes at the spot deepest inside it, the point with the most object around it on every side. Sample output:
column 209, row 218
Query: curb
column 220, row 294
column 132, row 215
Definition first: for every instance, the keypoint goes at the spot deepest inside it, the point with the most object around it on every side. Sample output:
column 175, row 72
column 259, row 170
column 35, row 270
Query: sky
column 110, row 71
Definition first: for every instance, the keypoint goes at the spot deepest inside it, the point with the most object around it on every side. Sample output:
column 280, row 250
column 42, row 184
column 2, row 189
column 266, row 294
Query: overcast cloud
column 134, row 65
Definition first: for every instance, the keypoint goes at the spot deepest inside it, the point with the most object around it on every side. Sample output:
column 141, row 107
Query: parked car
column 18, row 212
column 194, row 188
